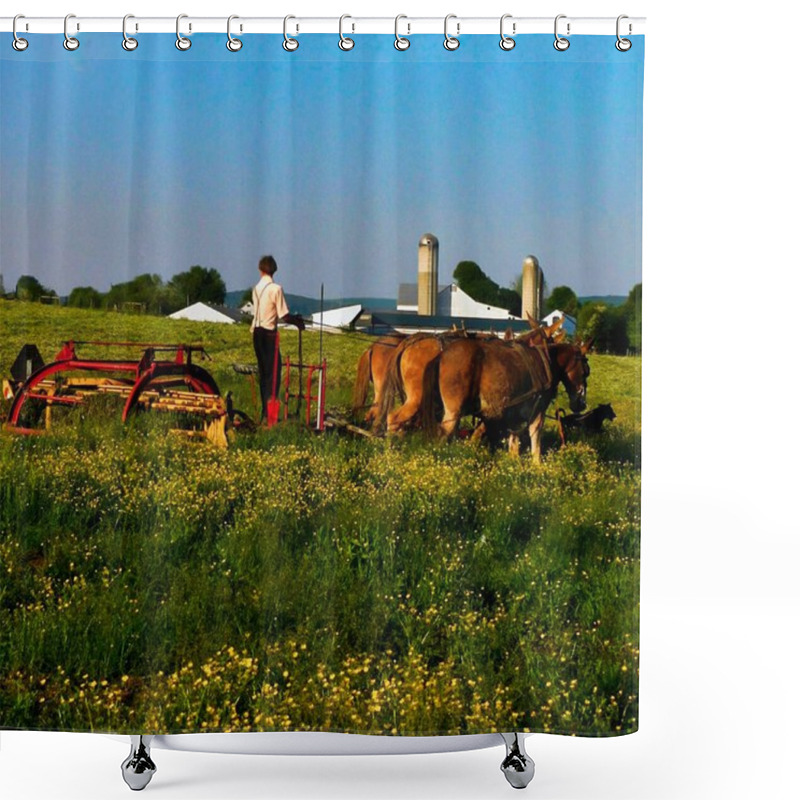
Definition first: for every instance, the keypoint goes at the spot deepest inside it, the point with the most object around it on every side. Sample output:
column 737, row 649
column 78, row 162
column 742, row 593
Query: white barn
column 451, row 301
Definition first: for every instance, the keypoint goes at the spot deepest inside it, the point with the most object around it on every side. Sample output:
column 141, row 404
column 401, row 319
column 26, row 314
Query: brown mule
column 507, row 385
column 372, row 367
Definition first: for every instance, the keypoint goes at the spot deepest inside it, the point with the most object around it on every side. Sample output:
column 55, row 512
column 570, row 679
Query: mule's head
column 573, row 367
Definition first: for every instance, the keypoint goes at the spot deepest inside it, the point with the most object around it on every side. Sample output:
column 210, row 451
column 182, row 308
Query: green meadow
column 299, row 581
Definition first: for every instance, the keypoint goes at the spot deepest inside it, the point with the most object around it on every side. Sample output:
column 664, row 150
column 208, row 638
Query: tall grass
column 150, row 584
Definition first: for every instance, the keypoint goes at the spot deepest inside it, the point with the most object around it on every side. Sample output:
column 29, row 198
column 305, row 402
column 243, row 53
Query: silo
column 532, row 288
column 428, row 274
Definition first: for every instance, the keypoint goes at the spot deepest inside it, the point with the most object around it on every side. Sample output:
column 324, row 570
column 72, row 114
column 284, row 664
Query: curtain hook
column 400, row 42
column 623, row 45
column 506, row 42
column 128, row 42
column 345, row 43
column 451, row 42
column 289, row 44
column 181, row 42
column 18, row 44
column 561, row 43
column 233, row 44
column 70, row 42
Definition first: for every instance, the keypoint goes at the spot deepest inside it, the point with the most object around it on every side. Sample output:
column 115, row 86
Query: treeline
column 146, row 293
column 615, row 328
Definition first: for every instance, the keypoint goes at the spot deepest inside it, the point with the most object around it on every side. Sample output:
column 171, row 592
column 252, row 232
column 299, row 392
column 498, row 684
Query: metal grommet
column 70, row 42
column 345, row 43
column 400, row 42
column 129, row 43
column 181, row 42
column 623, row 45
column 233, row 44
column 561, row 44
column 289, row 44
column 19, row 44
column 451, row 42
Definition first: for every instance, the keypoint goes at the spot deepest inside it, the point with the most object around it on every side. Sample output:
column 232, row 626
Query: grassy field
column 294, row 581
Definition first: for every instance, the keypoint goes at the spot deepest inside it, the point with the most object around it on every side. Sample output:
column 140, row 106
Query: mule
column 372, row 367
column 507, row 385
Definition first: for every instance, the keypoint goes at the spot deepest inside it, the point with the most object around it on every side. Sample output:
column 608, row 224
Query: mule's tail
column 431, row 401
column 392, row 386
column 363, row 377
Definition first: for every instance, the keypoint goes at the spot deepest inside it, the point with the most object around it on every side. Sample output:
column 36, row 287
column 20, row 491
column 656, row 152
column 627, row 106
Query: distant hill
column 607, row 299
column 299, row 304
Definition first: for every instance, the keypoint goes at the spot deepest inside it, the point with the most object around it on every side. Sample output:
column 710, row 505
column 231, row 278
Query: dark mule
column 508, row 385
column 372, row 367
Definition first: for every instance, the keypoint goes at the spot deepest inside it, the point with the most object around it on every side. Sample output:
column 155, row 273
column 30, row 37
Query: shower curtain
column 385, row 481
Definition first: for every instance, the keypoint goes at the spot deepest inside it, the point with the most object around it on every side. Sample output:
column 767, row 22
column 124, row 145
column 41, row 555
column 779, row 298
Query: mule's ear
column 559, row 337
column 587, row 346
column 555, row 326
column 508, row 335
column 532, row 322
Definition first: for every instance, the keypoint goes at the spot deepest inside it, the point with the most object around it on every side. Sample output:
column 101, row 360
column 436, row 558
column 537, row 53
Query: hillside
column 299, row 304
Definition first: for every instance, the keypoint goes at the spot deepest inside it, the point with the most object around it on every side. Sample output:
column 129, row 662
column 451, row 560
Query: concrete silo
column 427, row 275
column 532, row 288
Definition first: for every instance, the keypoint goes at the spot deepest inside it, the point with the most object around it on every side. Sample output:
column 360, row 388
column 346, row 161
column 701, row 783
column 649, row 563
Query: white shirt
column 269, row 304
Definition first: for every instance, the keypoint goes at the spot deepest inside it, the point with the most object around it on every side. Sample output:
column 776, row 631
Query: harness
column 541, row 393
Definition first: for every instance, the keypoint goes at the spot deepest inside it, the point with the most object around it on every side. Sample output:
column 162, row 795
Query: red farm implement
column 163, row 378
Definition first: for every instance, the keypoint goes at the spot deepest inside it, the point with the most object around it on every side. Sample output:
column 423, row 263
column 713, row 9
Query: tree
column 480, row 287
column 606, row 325
column 563, row 299
column 198, row 285
column 85, row 297
column 633, row 318
column 28, row 288
column 147, row 289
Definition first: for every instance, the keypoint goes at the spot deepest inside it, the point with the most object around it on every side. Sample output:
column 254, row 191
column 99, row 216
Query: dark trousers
column 265, row 343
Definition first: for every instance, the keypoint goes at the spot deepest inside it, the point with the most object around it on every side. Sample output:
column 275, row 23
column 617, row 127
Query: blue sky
column 115, row 163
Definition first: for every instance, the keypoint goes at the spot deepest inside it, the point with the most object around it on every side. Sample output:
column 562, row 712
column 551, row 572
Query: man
column 269, row 308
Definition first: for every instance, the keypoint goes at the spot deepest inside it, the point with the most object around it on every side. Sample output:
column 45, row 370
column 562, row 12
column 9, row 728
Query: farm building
column 335, row 319
column 570, row 324
column 429, row 306
column 205, row 312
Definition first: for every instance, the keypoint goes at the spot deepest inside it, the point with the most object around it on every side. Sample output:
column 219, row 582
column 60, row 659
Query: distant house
column 570, row 325
column 206, row 312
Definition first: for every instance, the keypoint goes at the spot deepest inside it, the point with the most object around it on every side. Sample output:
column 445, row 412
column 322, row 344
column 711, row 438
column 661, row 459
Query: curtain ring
column 128, row 42
column 506, row 42
column 18, row 44
column 233, row 44
column 70, row 42
column 181, row 42
column 289, row 44
column 345, row 43
column 450, row 42
column 400, row 42
column 623, row 45
column 561, row 43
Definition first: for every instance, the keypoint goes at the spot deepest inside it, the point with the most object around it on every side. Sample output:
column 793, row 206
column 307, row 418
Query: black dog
column 589, row 421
